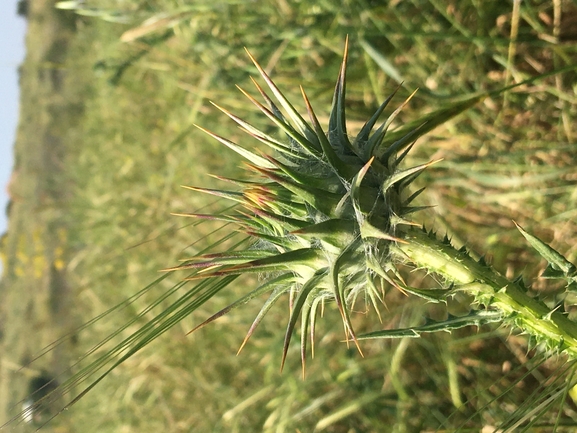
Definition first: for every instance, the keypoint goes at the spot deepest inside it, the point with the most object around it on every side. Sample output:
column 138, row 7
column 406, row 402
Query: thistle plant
column 323, row 214
column 329, row 219
column 326, row 218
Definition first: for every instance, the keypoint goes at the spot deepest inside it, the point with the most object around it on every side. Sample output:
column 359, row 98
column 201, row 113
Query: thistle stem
column 490, row 289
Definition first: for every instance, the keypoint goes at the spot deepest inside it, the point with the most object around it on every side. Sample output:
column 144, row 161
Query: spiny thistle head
column 322, row 212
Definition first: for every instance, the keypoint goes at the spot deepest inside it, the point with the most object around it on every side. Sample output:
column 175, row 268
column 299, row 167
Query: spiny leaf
column 252, row 157
column 303, row 127
column 356, row 190
column 337, row 119
column 374, row 294
column 239, row 182
column 308, row 257
column 290, row 153
column 474, row 318
column 275, row 295
column 259, row 135
column 284, row 221
column 323, row 183
column 271, row 105
column 339, row 288
column 230, row 195
column 557, row 261
column 403, row 174
column 303, row 141
column 344, row 170
column 381, row 132
column 271, row 284
column 369, row 230
column 405, row 141
column 281, row 242
column 403, row 155
column 431, row 295
column 397, row 220
column 302, row 297
column 376, row 140
column 362, row 139
column 411, row 131
column 336, row 232
column 221, row 259
column 212, row 217
column 305, row 320
column 313, row 317
column 381, row 269
column 322, row 200
column 413, row 196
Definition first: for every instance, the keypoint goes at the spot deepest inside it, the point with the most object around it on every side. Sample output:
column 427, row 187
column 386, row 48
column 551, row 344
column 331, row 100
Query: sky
column 12, row 51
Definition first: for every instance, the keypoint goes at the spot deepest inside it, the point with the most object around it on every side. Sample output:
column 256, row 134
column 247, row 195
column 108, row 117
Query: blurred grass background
column 147, row 70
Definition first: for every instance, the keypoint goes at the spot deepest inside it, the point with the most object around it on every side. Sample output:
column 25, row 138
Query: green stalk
column 490, row 289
